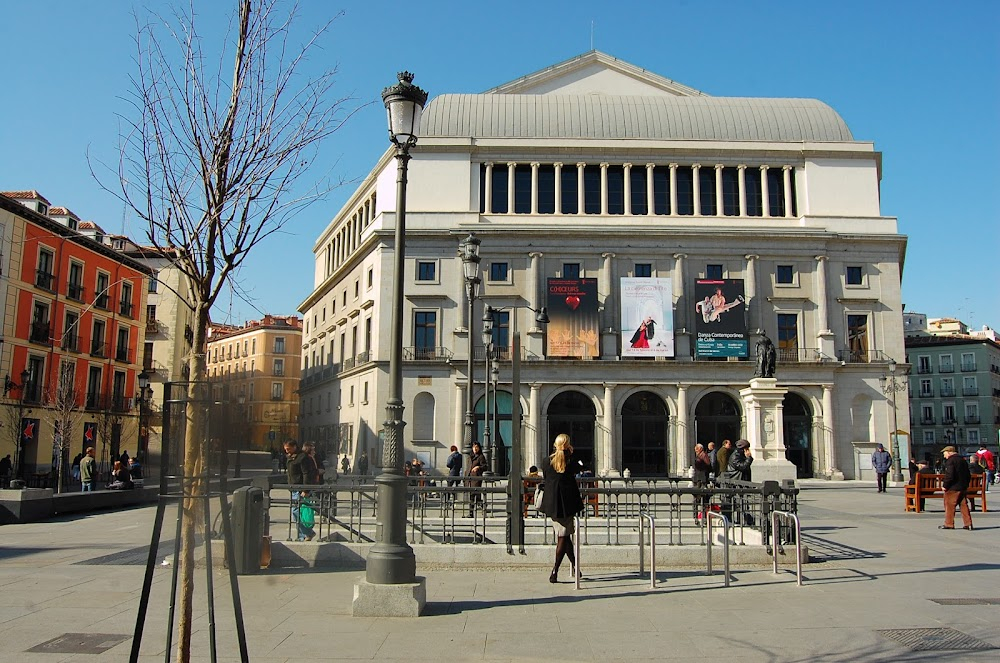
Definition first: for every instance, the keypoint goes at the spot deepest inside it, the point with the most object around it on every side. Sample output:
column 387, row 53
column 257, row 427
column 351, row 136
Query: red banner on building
column 574, row 327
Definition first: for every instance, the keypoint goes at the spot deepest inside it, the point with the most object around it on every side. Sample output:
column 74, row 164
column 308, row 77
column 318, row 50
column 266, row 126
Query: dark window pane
column 498, row 271
column 592, row 190
column 713, row 272
column 685, row 191
column 616, row 189
column 788, row 331
column 425, row 333
column 546, row 189
column 522, row 189
column 571, row 270
column 792, row 181
column 637, row 180
column 569, row 190
column 706, row 180
column 661, row 190
column 854, row 275
column 730, row 192
column 499, row 203
column 426, row 271
column 643, row 270
column 482, row 188
column 751, row 178
column 784, row 274
column 775, row 192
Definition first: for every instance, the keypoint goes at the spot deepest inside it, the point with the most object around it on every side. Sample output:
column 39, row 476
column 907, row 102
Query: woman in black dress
column 561, row 500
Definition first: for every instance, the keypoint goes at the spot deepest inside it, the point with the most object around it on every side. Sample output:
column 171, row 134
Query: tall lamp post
column 469, row 250
column 391, row 560
column 515, row 489
column 9, row 386
column 891, row 386
column 143, row 398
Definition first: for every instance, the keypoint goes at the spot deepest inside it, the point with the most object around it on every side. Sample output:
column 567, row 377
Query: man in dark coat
column 293, row 465
column 722, row 458
column 363, row 464
column 740, row 461
column 955, row 484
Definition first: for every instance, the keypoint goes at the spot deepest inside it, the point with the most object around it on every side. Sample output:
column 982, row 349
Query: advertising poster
column 573, row 329
column 720, row 318
column 647, row 317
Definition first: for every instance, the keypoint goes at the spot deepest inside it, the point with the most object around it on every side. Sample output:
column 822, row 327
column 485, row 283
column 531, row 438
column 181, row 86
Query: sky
column 919, row 78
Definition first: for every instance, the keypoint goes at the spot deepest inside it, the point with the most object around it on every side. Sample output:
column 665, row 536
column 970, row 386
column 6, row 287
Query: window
column 522, row 189
column 730, row 192
column 501, row 328
column 152, row 283
column 279, row 367
column 948, row 414
column 43, row 275
column 40, row 332
column 357, row 288
column 93, row 387
column 637, row 178
column 926, row 390
column 855, row 275
column 101, row 291
column 713, row 272
column 928, row 437
column 973, row 435
column 426, row 270
column 75, row 290
column 150, row 313
column 147, row 356
column 857, row 337
column 969, row 386
column 279, row 345
column 36, row 374
column 775, row 192
column 97, row 339
column 968, row 361
column 371, row 278
column 571, row 270
column 71, row 336
column 706, row 192
column 592, row 189
column 751, row 181
column 644, row 270
column 351, row 398
column 118, row 401
column 926, row 415
column 364, row 393
column 570, row 188
column 616, row 189
column 947, row 387
column 546, row 190
column 498, row 204
column 972, row 413
column 945, row 364
column 784, row 274
column 424, row 333
column 121, row 348
column 685, row 191
column 499, row 272
column 125, row 305
column 788, row 336
column 923, row 364
column 253, row 346
column 277, row 391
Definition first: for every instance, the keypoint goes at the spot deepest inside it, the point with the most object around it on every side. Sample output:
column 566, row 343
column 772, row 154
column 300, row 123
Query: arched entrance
column 573, row 413
column 500, row 430
column 717, row 418
column 645, row 435
column 798, row 434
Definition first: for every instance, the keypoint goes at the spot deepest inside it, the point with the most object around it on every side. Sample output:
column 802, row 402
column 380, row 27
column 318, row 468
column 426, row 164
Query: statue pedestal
column 762, row 402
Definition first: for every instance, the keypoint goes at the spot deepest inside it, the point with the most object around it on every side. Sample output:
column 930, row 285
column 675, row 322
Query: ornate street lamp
column 142, row 400
column 890, row 387
column 487, row 334
column 390, row 560
column 469, row 251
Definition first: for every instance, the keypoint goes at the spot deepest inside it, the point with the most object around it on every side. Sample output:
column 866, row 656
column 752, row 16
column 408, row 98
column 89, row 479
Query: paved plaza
column 882, row 585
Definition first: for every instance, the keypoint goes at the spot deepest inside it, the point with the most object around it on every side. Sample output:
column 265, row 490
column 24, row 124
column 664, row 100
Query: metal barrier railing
column 777, row 548
column 643, row 517
column 709, row 516
column 577, row 574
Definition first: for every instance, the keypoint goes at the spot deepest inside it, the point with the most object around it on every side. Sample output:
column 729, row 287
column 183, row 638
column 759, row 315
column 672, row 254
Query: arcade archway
column 645, row 435
column 718, row 417
column 798, row 425
column 573, row 413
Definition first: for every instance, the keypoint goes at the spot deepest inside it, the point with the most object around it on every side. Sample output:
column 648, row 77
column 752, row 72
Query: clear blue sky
column 919, row 78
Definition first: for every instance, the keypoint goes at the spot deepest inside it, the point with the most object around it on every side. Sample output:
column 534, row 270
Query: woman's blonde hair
column 558, row 459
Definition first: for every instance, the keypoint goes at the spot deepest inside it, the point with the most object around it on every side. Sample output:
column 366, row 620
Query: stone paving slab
column 873, row 569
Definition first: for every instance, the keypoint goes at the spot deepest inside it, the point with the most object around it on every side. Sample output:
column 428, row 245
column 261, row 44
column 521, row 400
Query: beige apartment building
column 254, row 371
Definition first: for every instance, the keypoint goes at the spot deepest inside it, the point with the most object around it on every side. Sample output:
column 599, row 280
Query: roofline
column 45, row 222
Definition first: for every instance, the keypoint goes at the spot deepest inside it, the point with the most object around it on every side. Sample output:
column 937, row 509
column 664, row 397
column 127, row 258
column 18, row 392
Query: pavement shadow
column 825, row 550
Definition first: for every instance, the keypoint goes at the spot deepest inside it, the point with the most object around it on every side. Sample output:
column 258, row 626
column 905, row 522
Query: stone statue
column 766, row 357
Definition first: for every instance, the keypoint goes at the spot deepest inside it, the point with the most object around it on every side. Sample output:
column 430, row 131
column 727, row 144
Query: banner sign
column 90, row 435
column 574, row 328
column 720, row 318
column 647, row 328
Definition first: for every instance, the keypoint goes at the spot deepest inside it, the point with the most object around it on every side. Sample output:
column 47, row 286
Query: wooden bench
column 929, row 486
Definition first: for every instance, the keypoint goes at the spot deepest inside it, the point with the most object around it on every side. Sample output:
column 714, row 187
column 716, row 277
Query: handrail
column 644, row 515
column 798, row 542
column 576, row 552
column 709, row 515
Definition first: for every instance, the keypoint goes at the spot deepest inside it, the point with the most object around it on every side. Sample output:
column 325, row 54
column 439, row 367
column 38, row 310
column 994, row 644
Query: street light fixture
column 890, row 387
column 391, row 560
column 142, row 400
column 515, row 488
column 469, row 251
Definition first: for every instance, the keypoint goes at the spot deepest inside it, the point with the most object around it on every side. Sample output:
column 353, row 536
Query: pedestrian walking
column 955, row 484
column 988, row 461
column 974, row 468
column 881, row 461
column 454, row 465
column 363, row 464
column 88, row 470
column 702, row 470
column 561, row 500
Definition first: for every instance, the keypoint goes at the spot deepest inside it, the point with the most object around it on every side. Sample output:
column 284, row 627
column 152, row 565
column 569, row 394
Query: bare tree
column 14, row 411
column 212, row 163
column 64, row 399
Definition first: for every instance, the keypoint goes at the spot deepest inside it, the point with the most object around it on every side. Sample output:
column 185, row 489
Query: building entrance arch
column 645, row 435
column 573, row 413
column 718, row 417
column 798, row 426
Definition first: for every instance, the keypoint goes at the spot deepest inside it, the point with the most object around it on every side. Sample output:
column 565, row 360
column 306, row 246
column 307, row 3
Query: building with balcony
column 610, row 195
column 73, row 316
column 954, row 390
column 254, row 371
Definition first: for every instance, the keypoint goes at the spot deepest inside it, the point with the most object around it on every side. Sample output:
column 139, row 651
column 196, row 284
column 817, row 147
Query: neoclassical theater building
column 671, row 236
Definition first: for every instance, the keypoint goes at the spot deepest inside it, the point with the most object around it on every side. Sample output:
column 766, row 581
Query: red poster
column 574, row 328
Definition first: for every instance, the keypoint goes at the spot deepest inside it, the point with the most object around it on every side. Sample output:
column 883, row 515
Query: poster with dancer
column 720, row 318
column 574, row 328
column 647, row 328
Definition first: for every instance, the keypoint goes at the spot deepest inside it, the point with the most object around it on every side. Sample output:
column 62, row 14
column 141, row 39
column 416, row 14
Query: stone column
column 604, row 189
column 580, row 197
column 673, row 189
column 650, row 192
column 682, row 333
column 752, row 293
column 534, row 187
column 786, row 173
column 609, row 447
column 488, row 189
column 742, row 188
column 458, row 416
column 720, row 207
column 511, row 167
column 830, row 439
column 558, row 186
column 606, row 288
column 764, row 195
column 682, row 450
column 627, row 190
column 533, row 446
column 696, row 187
column 824, row 335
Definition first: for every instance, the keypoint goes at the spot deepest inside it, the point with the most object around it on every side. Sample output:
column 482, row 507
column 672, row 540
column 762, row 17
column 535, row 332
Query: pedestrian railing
column 709, row 517
column 644, row 517
column 777, row 548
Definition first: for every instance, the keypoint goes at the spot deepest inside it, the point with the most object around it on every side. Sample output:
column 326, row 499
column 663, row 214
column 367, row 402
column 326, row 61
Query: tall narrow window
column 775, row 192
column 75, row 290
column 121, row 347
column 546, row 189
column 571, row 270
column 685, row 191
column 570, row 189
column 43, row 275
column 731, row 191
column 97, row 348
column 706, row 194
column 592, row 189
column 101, row 290
column 424, row 334
column 616, row 189
column 751, row 180
column 498, row 204
column 857, row 337
column 661, row 190
column 93, row 387
column 637, row 183
column 279, row 345
column 522, row 188
column 788, row 336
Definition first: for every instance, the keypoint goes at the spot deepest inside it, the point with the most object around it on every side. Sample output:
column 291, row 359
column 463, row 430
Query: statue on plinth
column 766, row 357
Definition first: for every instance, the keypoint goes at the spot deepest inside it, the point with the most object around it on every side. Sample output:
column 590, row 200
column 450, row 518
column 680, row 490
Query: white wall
column 840, row 187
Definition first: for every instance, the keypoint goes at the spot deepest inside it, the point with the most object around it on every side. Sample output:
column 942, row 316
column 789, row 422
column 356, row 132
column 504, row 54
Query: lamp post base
column 404, row 600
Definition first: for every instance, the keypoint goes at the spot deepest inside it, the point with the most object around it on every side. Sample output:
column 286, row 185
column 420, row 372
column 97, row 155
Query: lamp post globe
column 391, row 560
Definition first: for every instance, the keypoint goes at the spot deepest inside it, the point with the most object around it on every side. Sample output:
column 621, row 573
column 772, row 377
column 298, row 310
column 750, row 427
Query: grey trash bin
column 248, row 528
